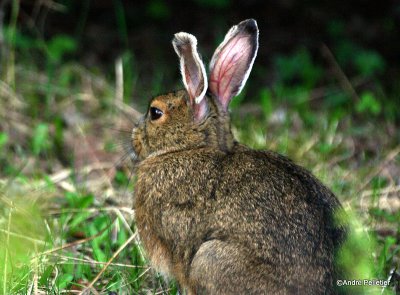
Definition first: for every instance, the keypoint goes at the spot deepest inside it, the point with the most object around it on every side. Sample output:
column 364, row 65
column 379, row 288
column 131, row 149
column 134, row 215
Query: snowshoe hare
column 215, row 215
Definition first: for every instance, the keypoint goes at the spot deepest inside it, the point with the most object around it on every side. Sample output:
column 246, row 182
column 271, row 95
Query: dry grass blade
column 119, row 83
column 9, row 233
column 390, row 157
column 90, row 286
column 119, row 92
column 6, row 255
column 384, row 191
column 93, row 157
column 76, row 242
column 340, row 75
column 97, row 210
column 94, row 262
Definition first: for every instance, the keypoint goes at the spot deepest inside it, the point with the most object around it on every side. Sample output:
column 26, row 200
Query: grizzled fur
column 222, row 218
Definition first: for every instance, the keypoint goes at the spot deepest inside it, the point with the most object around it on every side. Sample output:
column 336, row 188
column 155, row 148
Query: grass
column 66, row 218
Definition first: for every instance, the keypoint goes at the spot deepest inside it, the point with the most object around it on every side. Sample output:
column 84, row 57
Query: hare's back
column 276, row 208
column 277, row 177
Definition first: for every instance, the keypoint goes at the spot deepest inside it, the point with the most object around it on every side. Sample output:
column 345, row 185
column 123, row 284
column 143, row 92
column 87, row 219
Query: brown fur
column 224, row 219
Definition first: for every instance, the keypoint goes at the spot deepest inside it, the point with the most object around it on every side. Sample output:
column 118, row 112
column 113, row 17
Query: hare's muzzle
column 136, row 143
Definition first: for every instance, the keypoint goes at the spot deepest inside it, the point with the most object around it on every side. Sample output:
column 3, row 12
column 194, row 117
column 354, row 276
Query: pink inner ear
column 193, row 81
column 200, row 110
column 193, row 72
column 230, row 68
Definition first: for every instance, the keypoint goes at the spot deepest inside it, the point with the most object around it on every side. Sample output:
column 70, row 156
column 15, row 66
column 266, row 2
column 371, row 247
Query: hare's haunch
column 217, row 216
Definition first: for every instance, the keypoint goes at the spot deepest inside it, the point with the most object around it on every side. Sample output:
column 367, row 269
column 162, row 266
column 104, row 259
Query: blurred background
column 337, row 54
column 74, row 76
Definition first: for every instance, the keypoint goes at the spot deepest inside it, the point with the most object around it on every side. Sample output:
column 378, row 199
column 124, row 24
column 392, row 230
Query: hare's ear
column 232, row 61
column 193, row 72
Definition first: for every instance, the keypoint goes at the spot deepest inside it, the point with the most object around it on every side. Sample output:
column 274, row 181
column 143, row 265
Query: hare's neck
column 221, row 136
column 225, row 138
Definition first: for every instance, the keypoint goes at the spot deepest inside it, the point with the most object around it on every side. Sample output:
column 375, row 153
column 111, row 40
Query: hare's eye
column 155, row 113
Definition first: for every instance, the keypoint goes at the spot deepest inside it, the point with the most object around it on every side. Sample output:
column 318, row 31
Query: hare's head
column 198, row 116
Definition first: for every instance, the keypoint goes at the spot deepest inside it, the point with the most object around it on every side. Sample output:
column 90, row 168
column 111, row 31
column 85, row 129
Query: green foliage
column 40, row 139
column 54, row 49
column 121, row 21
column 390, row 249
column 388, row 254
column 356, row 255
column 59, row 46
column 158, row 9
column 98, row 225
column 336, row 28
column 298, row 68
column 3, row 139
column 22, row 235
column 121, row 179
column 369, row 63
column 18, row 40
column 129, row 74
column 368, row 104
column 266, row 101
column 79, row 201
column 214, row 3
column 386, row 216
column 335, row 100
column 63, row 281
column 236, row 102
column 366, row 62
